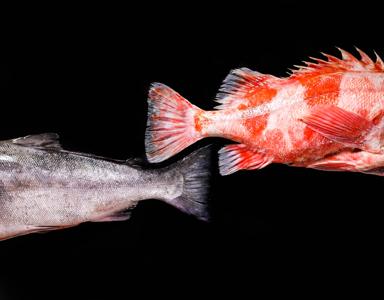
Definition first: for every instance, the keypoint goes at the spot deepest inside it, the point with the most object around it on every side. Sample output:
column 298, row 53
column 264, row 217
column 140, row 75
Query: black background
column 84, row 73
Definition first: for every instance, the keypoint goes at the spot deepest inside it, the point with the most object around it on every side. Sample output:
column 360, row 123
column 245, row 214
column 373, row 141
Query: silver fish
column 43, row 187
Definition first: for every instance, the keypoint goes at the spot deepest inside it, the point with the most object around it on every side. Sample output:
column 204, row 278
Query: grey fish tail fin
column 195, row 169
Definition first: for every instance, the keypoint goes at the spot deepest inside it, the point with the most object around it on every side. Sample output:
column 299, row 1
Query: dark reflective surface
column 85, row 75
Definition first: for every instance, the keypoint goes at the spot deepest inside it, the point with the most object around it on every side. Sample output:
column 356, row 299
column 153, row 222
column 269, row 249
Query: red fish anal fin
column 233, row 158
column 341, row 126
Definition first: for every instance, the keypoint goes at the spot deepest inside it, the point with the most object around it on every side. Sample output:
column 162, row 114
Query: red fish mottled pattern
column 326, row 108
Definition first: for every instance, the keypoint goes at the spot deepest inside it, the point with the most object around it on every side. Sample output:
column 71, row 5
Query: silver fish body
column 43, row 187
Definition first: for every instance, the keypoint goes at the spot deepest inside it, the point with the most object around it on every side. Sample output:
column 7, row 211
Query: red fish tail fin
column 171, row 123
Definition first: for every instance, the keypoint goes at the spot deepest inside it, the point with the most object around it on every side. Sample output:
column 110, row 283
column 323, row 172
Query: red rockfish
column 327, row 114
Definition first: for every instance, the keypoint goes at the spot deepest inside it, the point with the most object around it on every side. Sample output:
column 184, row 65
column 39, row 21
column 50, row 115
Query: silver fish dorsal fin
column 43, row 140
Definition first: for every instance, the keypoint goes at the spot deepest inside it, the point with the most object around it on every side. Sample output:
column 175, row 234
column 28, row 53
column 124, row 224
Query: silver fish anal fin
column 116, row 216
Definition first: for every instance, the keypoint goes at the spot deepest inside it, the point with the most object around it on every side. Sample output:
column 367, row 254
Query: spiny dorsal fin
column 348, row 62
column 243, row 87
column 379, row 64
column 44, row 140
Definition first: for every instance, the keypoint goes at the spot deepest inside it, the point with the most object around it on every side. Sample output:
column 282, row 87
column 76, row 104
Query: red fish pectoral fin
column 339, row 125
column 233, row 158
